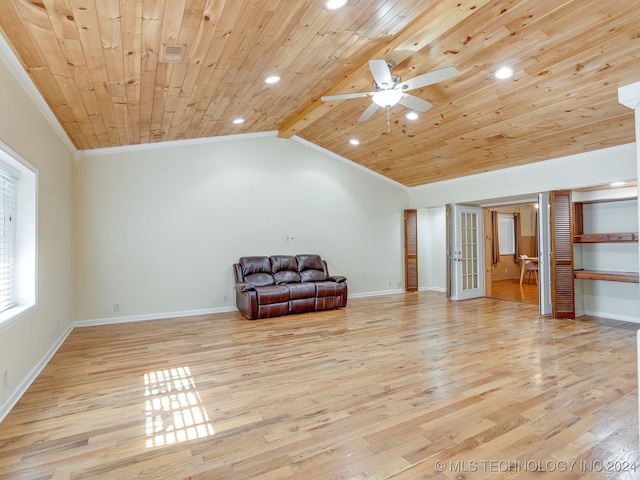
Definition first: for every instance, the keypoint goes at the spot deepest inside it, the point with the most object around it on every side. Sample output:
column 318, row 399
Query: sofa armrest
column 247, row 300
column 244, row 287
column 337, row 278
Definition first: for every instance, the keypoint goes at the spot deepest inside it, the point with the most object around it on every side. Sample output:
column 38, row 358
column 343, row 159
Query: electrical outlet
column 116, row 307
column 5, row 378
column 225, row 298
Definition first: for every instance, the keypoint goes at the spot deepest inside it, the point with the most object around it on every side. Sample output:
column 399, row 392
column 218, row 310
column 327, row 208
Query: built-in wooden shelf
column 627, row 277
column 605, row 237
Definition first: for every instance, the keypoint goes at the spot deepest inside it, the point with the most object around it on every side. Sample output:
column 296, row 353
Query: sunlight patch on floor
column 174, row 410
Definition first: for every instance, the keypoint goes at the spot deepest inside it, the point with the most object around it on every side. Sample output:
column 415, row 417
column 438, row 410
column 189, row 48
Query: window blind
column 8, row 200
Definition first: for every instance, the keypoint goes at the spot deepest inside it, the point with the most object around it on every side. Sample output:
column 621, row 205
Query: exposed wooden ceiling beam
column 441, row 17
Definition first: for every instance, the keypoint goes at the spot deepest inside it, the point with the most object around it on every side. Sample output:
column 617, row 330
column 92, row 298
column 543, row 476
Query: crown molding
column 17, row 69
column 96, row 152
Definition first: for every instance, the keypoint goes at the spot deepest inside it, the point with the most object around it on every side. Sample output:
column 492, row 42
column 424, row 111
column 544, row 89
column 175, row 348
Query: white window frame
column 24, row 274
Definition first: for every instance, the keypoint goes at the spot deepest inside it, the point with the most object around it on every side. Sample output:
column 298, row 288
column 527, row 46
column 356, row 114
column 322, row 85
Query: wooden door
column 562, row 291
column 411, row 250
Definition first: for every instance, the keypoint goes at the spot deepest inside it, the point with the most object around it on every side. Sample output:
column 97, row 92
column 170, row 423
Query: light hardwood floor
column 404, row 386
column 512, row 290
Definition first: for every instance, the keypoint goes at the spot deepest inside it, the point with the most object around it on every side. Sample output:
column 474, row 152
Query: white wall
column 159, row 229
column 594, row 168
column 615, row 300
column 432, row 249
column 24, row 129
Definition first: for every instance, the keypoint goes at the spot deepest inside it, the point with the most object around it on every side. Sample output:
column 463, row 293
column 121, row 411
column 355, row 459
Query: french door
column 466, row 253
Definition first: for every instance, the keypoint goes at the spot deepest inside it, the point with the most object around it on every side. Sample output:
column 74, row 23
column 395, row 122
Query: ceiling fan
column 390, row 89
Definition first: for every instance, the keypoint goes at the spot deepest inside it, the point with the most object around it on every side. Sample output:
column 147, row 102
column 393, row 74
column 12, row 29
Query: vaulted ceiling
column 99, row 66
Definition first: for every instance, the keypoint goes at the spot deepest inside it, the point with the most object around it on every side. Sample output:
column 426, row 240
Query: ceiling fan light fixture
column 334, row 4
column 387, row 98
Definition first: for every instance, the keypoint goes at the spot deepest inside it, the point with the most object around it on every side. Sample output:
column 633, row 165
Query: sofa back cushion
column 311, row 268
column 284, row 269
column 257, row 271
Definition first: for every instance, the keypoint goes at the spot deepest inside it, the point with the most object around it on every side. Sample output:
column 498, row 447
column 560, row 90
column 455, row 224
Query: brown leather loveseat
column 286, row 284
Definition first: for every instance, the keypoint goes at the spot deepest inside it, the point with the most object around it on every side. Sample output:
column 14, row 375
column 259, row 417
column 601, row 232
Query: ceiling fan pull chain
column 388, row 119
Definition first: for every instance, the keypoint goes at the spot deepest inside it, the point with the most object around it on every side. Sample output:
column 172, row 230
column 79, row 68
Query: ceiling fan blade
column 381, row 73
column 428, row 78
column 366, row 115
column 415, row 103
column 346, row 96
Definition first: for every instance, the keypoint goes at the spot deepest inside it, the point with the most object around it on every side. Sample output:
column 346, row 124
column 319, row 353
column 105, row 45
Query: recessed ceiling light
column 334, row 4
column 272, row 79
column 503, row 73
column 618, row 184
column 412, row 116
column 354, row 141
column 238, row 121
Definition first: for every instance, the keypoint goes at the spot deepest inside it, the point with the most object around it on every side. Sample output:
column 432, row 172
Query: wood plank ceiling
column 98, row 65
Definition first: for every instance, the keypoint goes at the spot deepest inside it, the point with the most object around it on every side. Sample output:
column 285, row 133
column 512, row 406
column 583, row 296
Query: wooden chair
column 529, row 267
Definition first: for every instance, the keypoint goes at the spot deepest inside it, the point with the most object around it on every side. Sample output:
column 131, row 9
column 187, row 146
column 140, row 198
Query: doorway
column 511, row 231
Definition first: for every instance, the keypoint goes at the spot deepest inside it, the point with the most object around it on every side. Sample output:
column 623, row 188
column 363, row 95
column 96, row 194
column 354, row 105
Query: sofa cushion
column 273, row 310
column 283, row 262
column 257, row 271
column 312, row 276
column 302, row 305
column 301, row 290
column 311, row 268
column 272, row 294
column 284, row 269
column 307, row 262
column 286, row 276
column 329, row 289
column 259, row 279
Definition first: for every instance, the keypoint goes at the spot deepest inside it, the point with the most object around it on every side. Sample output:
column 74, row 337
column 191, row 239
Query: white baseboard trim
column 11, row 401
column 151, row 316
column 610, row 316
column 433, row 289
column 375, row 294
column 391, row 292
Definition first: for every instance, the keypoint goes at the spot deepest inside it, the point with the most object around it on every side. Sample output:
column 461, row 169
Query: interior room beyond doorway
column 513, row 233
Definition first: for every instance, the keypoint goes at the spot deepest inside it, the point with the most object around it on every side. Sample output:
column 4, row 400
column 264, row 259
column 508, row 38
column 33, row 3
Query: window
column 18, row 191
column 8, row 197
column 506, row 234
